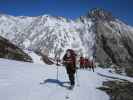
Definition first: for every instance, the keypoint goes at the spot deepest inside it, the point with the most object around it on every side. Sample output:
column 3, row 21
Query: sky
column 72, row 9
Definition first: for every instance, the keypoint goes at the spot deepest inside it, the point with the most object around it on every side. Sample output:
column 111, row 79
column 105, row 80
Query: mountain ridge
column 31, row 27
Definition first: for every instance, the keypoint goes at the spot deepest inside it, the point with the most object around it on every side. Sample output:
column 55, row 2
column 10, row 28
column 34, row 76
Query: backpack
column 72, row 52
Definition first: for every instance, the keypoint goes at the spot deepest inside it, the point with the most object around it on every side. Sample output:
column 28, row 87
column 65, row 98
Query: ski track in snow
column 26, row 81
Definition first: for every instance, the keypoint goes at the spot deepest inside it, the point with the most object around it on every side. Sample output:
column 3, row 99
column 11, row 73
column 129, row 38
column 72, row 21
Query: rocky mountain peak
column 98, row 14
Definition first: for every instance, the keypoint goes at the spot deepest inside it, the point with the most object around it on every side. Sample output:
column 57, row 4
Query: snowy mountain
column 49, row 33
column 98, row 32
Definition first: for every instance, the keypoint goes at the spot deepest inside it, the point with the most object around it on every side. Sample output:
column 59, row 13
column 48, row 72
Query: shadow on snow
column 112, row 77
column 64, row 84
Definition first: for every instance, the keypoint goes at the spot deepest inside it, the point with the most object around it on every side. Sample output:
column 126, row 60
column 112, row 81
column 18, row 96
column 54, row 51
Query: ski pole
column 57, row 73
column 93, row 65
column 77, row 78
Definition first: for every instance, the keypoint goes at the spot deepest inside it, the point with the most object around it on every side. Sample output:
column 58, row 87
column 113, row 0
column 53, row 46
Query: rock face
column 118, row 90
column 98, row 14
column 10, row 51
column 114, row 40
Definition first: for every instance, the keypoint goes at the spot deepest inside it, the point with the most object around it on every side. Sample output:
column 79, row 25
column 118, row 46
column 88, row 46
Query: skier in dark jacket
column 81, row 62
column 86, row 63
column 69, row 60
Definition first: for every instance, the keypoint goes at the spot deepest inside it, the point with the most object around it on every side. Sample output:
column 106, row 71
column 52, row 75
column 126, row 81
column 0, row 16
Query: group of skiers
column 69, row 60
column 86, row 63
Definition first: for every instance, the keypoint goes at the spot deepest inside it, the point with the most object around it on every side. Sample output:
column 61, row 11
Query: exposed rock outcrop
column 118, row 90
column 10, row 51
column 114, row 40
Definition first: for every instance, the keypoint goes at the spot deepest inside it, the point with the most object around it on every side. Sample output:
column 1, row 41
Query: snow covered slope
column 36, row 58
column 25, row 81
column 56, row 34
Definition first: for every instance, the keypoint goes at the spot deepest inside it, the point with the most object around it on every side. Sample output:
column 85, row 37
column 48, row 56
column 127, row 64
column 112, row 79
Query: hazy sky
column 68, row 8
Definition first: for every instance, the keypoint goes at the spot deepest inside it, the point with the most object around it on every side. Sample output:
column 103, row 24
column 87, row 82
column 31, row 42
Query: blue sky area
column 67, row 8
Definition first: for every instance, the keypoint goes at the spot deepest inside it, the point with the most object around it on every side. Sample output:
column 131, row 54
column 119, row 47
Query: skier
column 89, row 64
column 81, row 62
column 57, row 61
column 69, row 60
column 86, row 63
column 92, row 65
